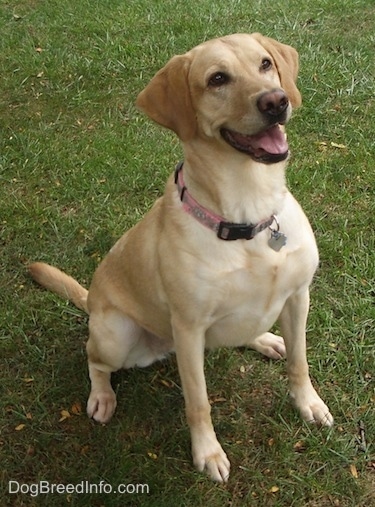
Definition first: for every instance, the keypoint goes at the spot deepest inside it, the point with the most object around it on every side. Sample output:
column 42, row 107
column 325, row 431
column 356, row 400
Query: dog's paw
column 101, row 405
column 213, row 460
column 312, row 407
column 270, row 345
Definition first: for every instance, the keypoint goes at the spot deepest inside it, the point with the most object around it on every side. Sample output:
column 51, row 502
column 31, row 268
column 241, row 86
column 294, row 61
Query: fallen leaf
column 299, row 446
column 152, row 455
column 85, row 449
column 218, row 399
column 165, row 383
column 76, row 408
column 274, row 489
column 353, row 471
column 30, row 451
column 64, row 415
column 20, row 427
column 340, row 146
column 322, row 147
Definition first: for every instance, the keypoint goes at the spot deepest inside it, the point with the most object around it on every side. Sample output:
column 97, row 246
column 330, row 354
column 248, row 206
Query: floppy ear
column 166, row 99
column 286, row 60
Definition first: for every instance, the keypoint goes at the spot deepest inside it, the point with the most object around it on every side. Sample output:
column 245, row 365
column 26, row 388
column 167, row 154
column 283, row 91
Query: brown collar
column 227, row 231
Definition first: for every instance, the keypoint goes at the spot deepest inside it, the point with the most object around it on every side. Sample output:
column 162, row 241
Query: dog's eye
column 266, row 64
column 218, row 79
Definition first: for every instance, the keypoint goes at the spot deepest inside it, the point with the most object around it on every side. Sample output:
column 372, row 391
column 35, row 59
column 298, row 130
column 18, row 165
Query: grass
column 79, row 165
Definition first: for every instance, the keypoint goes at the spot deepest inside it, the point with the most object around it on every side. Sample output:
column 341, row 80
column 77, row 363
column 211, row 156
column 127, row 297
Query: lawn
column 79, row 165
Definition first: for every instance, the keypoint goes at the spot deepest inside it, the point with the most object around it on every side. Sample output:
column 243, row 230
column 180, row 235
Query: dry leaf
column 353, row 471
column 64, row 415
column 30, row 451
column 218, row 399
column 76, row 408
column 340, row 146
column 20, row 427
column 85, row 449
column 274, row 489
column 299, row 446
column 165, row 383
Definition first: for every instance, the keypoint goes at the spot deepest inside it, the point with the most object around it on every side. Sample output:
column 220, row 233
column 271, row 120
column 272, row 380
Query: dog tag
column 277, row 240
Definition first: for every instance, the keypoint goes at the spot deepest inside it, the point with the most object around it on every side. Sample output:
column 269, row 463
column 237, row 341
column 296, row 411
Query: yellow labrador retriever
column 224, row 253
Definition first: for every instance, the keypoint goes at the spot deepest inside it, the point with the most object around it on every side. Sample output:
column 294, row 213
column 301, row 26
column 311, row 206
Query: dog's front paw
column 101, row 405
column 312, row 407
column 211, row 458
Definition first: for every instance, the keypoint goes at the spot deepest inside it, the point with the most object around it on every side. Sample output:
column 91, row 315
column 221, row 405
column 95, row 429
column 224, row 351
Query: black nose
column 273, row 104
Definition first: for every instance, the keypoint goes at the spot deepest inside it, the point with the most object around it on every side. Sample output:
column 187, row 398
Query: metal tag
column 277, row 240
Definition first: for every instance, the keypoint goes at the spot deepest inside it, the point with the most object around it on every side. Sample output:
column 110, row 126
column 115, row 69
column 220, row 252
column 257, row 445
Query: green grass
column 79, row 165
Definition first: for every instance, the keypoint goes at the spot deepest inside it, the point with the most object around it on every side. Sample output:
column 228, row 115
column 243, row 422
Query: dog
column 226, row 251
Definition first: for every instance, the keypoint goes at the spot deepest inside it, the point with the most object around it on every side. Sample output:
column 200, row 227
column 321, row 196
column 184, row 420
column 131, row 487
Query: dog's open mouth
column 269, row 146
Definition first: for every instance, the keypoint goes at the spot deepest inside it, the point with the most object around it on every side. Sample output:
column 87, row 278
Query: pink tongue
column 272, row 141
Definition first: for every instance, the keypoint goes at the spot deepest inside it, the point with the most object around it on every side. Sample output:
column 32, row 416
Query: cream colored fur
column 169, row 284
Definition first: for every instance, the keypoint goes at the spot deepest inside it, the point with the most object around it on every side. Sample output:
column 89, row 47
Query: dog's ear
column 286, row 60
column 166, row 99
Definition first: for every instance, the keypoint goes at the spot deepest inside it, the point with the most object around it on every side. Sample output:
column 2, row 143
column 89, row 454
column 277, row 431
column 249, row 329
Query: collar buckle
column 230, row 231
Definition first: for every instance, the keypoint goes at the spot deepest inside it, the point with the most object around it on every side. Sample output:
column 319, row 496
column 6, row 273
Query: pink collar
column 225, row 230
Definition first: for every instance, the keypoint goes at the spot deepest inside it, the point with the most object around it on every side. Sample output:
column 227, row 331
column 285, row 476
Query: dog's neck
column 233, row 185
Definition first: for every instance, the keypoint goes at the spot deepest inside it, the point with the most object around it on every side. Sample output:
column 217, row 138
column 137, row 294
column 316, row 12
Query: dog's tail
column 62, row 284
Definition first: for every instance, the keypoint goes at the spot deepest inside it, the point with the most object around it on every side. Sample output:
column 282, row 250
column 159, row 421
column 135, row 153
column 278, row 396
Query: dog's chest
column 252, row 292
column 257, row 281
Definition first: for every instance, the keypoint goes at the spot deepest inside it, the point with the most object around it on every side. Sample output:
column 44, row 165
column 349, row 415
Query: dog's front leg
column 293, row 323
column 207, row 452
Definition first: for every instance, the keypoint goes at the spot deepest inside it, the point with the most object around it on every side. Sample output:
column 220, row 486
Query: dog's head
column 237, row 90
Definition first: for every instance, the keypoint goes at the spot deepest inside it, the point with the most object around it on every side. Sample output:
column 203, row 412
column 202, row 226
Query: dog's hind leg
column 269, row 345
column 115, row 342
